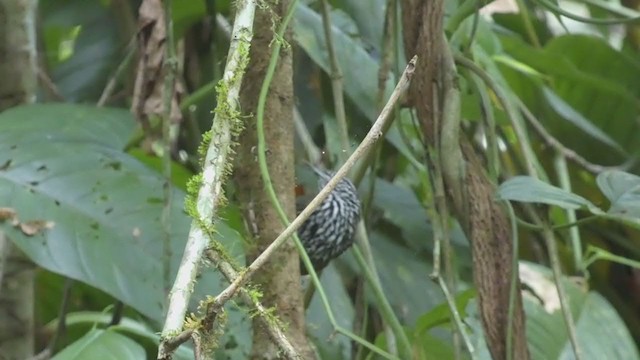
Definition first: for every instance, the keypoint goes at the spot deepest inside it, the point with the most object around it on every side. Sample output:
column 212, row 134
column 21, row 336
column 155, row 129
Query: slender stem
column 514, row 279
column 336, row 83
column 566, row 152
column 171, row 65
column 564, row 301
column 313, row 153
column 594, row 254
column 528, row 25
column 574, row 233
column 62, row 315
column 384, row 306
column 201, row 93
column 552, row 248
column 490, row 126
column 531, row 162
column 531, row 226
column 111, row 84
column 456, row 317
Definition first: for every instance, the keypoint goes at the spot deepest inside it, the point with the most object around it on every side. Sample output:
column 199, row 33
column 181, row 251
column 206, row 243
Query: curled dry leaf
column 7, row 213
column 148, row 97
column 34, row 227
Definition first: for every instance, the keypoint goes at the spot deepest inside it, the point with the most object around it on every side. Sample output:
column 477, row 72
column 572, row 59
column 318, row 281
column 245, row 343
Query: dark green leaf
column 441, row 314
column 532, row 190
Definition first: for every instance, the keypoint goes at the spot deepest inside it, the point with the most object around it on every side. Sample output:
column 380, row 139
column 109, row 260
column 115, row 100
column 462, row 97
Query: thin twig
column 313, row 152
column 111, row 84
column 374, row 135
column 531, row 162
column 385, row 307
column 392, row 328
column 171, row 344
column 116, row 316
column 336, row 83
column 552, row 249
column 49, row 85
column 61, row 326
column 569, row 154
column 215, row 166
column 562, row 170
column 171, row 69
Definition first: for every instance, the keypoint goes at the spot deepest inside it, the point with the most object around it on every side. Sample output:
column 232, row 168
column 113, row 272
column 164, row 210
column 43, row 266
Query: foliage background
column 81, row 167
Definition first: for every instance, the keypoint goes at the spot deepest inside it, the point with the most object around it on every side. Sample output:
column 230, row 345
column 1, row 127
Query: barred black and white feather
column 330, row 229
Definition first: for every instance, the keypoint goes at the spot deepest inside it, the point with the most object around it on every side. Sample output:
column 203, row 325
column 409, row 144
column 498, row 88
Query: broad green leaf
column 441, row 314
column 102, row 345
column 602, row 334
column 623, row 190
column 126, row 325
column 531, row 190
column 89, row 211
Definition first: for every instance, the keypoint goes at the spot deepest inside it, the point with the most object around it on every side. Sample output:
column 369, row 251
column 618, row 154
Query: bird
column 330, row 229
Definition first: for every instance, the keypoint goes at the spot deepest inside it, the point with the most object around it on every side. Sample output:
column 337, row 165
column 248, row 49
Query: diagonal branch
column 372, row 137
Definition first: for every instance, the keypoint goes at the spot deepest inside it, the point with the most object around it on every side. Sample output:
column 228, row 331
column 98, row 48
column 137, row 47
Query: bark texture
column 483, row 220
column 280, row 277
column 18, row 74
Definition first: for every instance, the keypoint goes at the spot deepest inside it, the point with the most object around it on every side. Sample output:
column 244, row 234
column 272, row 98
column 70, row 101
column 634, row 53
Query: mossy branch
column 216, row 167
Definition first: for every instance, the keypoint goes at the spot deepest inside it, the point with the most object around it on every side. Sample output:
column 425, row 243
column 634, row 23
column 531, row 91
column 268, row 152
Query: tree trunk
column 279, row 279
column 18, row 86
column 483, row 220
